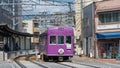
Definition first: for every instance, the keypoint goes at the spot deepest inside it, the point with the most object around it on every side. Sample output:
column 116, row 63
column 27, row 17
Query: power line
column 2, row 4
column 50, row 4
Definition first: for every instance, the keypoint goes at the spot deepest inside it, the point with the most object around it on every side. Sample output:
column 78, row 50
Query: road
column 76, row 63
column 36, row 64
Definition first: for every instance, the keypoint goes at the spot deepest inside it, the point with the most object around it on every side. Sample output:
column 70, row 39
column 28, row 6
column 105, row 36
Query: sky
column 62, row 0
column 50, row 9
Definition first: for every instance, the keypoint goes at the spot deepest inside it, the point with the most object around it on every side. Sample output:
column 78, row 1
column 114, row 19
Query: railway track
column 20, row 64
column 27, row 60
column 38, row 64
column 27, row 63
column 67, row 65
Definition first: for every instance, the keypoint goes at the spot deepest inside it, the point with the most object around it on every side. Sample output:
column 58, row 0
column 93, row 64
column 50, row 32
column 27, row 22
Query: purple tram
column 57, row 43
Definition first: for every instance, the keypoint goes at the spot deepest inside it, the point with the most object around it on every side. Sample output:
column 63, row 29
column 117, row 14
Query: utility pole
column 69, row 5
column 70, row 9
column 13, row 7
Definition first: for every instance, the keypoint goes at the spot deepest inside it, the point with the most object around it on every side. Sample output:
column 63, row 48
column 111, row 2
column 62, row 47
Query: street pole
column 13, row 15
column 36, row 52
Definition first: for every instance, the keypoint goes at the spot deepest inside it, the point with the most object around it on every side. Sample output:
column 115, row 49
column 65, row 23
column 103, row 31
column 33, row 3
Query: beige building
column 78, row 20
column 27, row 26
column 30, row 26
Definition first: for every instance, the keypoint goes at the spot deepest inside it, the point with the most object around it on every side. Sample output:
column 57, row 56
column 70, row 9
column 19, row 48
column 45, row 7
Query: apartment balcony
column 36, row 30
column 35, row 40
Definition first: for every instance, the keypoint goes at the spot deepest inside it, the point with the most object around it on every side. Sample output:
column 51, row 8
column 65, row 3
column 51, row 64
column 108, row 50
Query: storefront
column 108, row 45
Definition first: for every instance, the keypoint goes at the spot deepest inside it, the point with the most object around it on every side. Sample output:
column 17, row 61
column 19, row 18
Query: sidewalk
column 101, row 60
column 9, row 64
column 97, row 63
column 108, row 60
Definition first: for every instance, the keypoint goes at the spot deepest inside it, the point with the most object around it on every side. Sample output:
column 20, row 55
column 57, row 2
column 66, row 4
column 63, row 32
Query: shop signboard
column 103, row 27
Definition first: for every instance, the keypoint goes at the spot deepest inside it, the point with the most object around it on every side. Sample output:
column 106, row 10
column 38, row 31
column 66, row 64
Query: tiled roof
column 6, row 31
column 109, row 5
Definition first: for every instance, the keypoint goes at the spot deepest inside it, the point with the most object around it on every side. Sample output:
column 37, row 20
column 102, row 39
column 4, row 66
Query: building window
column 36, row 38
column 116, row 17
column 25, row 24
column 110, row 17
column 36, row 25
column 60, row 39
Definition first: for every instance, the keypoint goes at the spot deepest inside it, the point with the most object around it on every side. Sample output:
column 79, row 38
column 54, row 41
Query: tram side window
column 68, row 39
column 52, row 39
column 60, row 39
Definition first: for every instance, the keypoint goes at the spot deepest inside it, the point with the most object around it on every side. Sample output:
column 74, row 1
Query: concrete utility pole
column 13, row 15
column 69, row 5
column 36, row 52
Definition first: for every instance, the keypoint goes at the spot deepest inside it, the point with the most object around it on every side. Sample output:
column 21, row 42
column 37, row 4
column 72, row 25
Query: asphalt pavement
column 9, row 64
column 77, row 62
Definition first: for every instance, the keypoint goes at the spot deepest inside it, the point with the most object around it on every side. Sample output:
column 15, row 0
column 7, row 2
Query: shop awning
column 108, row 35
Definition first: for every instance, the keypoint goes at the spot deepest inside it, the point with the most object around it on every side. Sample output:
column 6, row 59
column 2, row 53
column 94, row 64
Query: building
column 30, row 26
column 79, row 5
column 10, row 12
column 78, row 20
column 88, row 2
column 101, row 29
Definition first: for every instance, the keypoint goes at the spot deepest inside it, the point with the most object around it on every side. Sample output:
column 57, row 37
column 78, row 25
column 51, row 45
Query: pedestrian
column 101, row 51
